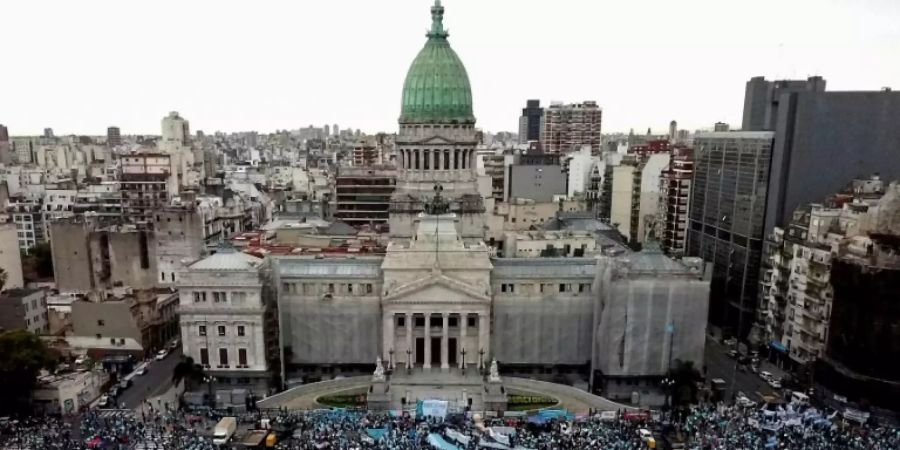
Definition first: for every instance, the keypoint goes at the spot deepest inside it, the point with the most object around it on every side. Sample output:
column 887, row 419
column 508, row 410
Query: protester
column 702, row 428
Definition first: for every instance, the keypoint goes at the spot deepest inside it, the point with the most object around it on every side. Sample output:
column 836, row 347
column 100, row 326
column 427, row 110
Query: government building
column 439, row 298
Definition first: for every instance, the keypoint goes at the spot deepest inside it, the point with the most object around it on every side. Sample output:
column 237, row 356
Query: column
column 427, row 363
column 445, row 343
column 484, row 336
column 388, row 329
column 463, row 330
column 409, row 338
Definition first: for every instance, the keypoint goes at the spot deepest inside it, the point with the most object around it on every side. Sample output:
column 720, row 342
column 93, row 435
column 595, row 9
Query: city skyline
column 290, row 68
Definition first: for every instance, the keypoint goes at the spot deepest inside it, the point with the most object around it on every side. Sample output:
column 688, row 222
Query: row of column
column 483, row 336
column 437, row 159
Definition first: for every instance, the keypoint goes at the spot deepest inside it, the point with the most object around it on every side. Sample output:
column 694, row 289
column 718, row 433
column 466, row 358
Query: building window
column 219, row 297
column 101, row 323
column 331, row 288
column 350, row 288
column 199, row 297
column 202, row 330
column 508, row 287
column 223, row 357
column 436, row 321
column 204, row 357
column 221, row 330
column 583, row 287
column 242, row 357
column 454, row 321
column 562, row 287
column 240, row 330
column 369, row 288
column 471, row 321
column 420, row 321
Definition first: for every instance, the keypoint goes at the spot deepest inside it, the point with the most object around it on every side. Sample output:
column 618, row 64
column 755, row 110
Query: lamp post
column 391, row 360
column 481, row 360
column 463, row 351
column 408, row 361
column 667, row 384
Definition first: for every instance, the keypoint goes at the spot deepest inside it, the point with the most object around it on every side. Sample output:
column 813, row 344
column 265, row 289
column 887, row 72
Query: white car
column 645, row 434
column 141, row 371
column 104, row 401
column 745, row 402
column 161, row 355
column 775, row 383
column 765, row 375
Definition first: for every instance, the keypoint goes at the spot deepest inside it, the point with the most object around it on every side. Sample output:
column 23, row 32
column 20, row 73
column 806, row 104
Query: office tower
column 530, row 121
column 673, row 131
column 113, row 137
column 762, row 99
column 48, row 133
column 336, row 129
column 568, row 127
column 4, row 133
column 721, row 126
column 728, row 196
column 327, row 130
column 824, row 138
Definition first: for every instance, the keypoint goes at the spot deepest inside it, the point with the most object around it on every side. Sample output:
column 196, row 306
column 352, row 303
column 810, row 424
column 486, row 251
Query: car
column 124, row 384
column 645, row 434
column 174, row 345
column 745, row 402
column 141, row 371
column 104, row 401
column 766, row 376
column 732, row 353
column 775, row 383
column 161, row 355
column 731, row 342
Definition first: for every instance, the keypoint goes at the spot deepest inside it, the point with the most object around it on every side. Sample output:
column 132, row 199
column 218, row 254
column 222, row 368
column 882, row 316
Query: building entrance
column 420, row 351
column 436, row 351
column 451, row 352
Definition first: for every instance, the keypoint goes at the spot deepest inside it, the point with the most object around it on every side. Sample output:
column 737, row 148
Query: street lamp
column 408, row 361
column 667, row 384
column 463, row 361
column 391, row 360
column 481, row 360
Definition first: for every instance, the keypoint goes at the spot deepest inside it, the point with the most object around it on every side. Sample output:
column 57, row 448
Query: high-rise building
column 4, row 133
column 568, row 127
column 634, row 199
column 820, row 140
column 113, row 137
column 673, row 131
column 336, row 129
column 176, row 131
column 675, row 191
column 762, row 99
column 727, row 206
column 530, row 122
column 48, row 133
column 720, row 127
column 327, row 130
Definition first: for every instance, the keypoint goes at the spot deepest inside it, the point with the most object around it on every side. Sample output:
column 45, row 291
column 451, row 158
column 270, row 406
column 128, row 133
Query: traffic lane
column 720, row 365
column 157, row 379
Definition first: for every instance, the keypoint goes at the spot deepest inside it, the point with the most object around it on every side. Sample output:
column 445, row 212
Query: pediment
column 435, row 140
column 437, row 288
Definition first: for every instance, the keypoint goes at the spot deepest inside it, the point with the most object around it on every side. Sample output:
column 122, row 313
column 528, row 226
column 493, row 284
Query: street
column 720, row 365
column 156, row 381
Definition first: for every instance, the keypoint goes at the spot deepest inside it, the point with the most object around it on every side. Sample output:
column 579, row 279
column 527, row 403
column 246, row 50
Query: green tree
column 685, row 377
column 188, row 371
column 22, row 356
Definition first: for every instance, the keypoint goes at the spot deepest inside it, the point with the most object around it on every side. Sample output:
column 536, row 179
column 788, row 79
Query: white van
column 799, row 398
column 766, row 376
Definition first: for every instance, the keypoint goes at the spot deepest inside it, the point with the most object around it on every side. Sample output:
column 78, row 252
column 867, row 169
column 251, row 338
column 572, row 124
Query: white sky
column 80, row 66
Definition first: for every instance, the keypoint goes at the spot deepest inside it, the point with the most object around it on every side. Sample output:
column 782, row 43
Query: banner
column 434, row 408
column 458, row 437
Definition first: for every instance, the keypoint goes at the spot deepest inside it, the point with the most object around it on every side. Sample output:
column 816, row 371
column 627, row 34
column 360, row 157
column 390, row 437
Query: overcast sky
column 80, row 66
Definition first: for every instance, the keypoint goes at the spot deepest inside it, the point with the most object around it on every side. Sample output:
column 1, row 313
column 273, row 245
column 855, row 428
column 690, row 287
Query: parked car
column 141, row 371
column 766, row 376
column 104, row 401
column 161, row 355
column 754, row 368
column 745, row 402
column 731, row 342
column 174, row 344
column 732, row 353
column 775, row 383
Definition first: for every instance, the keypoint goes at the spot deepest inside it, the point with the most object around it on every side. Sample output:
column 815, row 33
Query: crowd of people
column 702, row 428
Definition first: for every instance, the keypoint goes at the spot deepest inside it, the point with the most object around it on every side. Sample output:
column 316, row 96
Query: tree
column 685, row 378
column 22, row 356
column 188, row 371
column 2, row 279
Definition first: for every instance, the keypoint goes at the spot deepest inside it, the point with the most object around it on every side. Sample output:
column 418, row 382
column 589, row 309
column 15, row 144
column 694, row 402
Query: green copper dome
column 437, row 87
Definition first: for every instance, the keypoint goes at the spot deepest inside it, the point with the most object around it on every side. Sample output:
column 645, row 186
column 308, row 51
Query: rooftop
column 228, row 260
